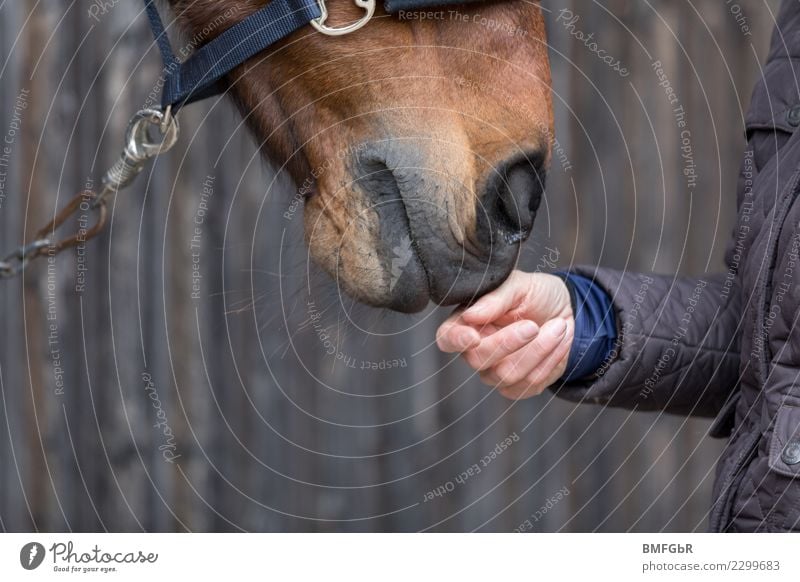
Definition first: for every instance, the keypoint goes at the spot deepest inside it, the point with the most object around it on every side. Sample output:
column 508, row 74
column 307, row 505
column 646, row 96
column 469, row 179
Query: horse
column 424, row 140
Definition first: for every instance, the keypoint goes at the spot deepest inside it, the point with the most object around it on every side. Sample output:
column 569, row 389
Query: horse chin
column 433, row 276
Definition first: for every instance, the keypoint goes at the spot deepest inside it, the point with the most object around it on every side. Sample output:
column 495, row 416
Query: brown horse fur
column 459, row 94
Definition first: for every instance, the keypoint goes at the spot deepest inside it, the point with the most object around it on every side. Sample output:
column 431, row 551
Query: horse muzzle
column 438, row 240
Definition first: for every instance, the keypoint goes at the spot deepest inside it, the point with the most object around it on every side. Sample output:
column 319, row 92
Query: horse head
column 422, row 140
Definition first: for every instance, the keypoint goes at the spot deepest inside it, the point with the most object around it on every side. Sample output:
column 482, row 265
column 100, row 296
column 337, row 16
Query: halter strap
column 198, row 77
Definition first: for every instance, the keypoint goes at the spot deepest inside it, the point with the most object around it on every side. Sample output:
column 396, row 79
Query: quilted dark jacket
column 729, row 345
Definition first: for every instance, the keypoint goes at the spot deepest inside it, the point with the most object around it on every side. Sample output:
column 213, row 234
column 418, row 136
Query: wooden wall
column 130, row 405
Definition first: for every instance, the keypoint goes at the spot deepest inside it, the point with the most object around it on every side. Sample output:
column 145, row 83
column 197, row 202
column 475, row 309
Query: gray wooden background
column 131, row 405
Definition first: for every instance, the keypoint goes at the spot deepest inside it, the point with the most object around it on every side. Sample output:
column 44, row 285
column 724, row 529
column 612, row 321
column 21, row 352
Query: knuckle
column 510, row 373
column 504, row 343
column 538, row 350
column 538, row 375
column 490, row 356
column 541, row 377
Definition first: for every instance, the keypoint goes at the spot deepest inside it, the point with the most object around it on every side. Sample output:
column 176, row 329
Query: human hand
column 517, row 337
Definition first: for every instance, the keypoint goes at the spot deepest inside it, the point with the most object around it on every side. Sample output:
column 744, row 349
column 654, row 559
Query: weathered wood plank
column 269, row 431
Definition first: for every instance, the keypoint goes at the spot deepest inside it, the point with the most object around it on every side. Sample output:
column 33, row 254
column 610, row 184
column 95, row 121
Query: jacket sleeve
column 677, row 346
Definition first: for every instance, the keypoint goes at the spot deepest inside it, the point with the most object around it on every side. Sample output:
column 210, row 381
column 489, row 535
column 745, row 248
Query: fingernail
column 558, row 328
column 527, row 330
column 465, row 339
column 477, row 308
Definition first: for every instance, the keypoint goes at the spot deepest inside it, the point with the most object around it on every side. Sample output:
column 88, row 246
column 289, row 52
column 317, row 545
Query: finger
column 534, row 356
column 453, row 336
column 500, row 344
column 487, row 330
column 537, row 381
column 456, row 337
column 490, row 378
column 493, row 305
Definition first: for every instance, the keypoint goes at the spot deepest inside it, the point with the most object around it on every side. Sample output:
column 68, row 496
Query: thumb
column 494, row 305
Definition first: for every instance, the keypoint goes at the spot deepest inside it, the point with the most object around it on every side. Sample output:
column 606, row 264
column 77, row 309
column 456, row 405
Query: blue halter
column 199, row 76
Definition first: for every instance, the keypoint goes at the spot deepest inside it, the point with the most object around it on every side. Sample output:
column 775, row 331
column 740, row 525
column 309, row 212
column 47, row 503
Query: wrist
column 567, row 292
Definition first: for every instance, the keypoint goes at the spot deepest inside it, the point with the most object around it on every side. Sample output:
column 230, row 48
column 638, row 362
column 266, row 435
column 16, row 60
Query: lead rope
column 140, row 145
column 191, row 80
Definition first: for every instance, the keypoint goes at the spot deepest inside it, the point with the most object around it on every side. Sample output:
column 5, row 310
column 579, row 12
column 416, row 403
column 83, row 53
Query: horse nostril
column 515, row 196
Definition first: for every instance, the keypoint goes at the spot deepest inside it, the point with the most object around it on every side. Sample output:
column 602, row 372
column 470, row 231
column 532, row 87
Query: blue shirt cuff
column 595, row 327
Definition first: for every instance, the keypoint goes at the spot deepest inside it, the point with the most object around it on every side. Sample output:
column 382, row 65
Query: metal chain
column 140, row 146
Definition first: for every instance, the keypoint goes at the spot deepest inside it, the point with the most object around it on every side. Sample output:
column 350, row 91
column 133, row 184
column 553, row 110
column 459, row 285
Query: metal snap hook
column 140, row 145
column 319, row 23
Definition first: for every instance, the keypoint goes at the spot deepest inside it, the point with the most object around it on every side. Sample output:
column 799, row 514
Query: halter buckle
column 319, row 23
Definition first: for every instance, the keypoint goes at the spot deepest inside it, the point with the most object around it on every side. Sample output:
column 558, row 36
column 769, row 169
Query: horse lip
column 399, row 297
column 423, row 283
column 435, row 265
column 409, row 279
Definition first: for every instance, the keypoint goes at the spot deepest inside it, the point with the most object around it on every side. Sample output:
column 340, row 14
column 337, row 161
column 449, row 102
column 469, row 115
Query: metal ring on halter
column 139, row 144
column 319, row 23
